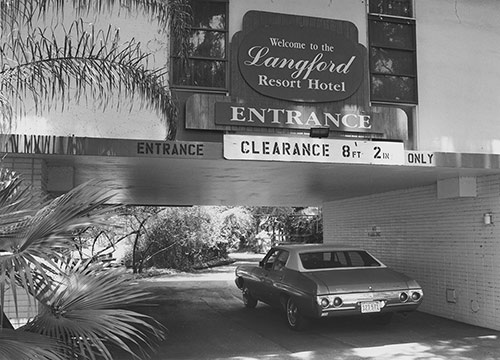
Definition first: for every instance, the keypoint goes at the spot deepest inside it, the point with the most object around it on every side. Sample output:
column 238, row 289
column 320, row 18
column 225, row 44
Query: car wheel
column 249, row 301
column 295, row 319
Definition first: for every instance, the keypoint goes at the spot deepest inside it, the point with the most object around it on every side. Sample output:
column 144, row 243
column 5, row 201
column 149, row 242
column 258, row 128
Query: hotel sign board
column 275, row 148
column 295, row 72
column 301, row 64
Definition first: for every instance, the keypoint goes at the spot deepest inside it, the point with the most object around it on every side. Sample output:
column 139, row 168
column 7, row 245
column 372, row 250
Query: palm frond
column 22, row 345
column 181, row 19
column 40, row 232
column 17, row 203
column 23, row 12
column 90, row 62
column 16, row 207
column 53, row 224
column 84, row 311
column 44, row 234
column 14, row 12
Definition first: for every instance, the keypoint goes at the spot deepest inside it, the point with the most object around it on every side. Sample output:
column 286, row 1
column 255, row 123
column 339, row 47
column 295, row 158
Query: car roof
column 295, row 249
column 300, row 247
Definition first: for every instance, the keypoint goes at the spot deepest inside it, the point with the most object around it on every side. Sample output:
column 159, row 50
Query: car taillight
column 325, row 302
column 337, row 302
column 403, row 297
column 415, row 296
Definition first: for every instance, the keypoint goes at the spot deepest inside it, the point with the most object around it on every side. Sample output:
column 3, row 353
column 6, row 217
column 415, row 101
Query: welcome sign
column 294, row 72
column 300, row 63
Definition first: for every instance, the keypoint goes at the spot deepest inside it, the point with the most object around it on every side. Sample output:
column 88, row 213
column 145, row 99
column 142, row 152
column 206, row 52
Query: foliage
column 85, row 311
column 237, row 226
column 93, row 242
column 303, row 225
column 138, row 219
column 24, row 345
column 63, row 64
column 33, row 236
column 277, row 224
column 82, row 305
column 184, row 238
column 128, row 225
column 51, row 66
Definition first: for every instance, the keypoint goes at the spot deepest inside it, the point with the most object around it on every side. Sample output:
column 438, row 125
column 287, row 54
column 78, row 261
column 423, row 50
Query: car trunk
column 357, row 280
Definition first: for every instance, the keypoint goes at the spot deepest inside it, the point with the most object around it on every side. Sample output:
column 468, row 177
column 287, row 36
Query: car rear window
column 337, row 259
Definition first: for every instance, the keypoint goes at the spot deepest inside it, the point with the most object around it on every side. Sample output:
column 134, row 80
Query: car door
column 255, row 282
column 273, row 281
column 260, row 288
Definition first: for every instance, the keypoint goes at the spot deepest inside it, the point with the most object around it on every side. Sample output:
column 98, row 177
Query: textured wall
column 443, row 243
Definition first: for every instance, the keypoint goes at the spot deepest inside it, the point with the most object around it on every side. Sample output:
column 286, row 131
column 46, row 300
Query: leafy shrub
column 186, row 238
column 183, row 238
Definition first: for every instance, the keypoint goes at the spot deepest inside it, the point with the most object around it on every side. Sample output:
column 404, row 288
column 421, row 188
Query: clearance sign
column 271, row 148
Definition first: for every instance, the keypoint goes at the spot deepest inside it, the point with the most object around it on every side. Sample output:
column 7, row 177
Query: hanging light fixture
column 319, row 131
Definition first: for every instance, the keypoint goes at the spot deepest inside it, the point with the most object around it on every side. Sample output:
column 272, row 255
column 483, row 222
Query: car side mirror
column 261, row 263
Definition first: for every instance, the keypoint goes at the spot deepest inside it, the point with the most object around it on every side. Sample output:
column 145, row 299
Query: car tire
column 295, row 320
column 248, row 300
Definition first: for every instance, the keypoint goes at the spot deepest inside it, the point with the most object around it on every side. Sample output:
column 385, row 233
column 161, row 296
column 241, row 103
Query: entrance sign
column 300, row 63
column 271, row 148
column 72, row 145
column 293, row 117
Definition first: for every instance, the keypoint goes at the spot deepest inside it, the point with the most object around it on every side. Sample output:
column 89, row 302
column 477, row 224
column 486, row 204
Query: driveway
column 206, row 319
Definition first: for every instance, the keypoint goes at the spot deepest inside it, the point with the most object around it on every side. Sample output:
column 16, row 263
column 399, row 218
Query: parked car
column 321, row 280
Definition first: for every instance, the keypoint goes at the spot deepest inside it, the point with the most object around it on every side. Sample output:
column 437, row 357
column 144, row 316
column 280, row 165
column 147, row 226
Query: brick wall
column 33, row 170
column 443, row 243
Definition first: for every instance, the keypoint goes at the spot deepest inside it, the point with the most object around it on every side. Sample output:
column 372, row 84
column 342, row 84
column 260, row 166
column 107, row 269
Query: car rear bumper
column 356, row 310
column 368, row 303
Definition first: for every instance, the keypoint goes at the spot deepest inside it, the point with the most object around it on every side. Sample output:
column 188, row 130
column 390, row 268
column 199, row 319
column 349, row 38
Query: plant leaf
column 86, row 305
column 87, row 61
column 20, row 345
column 31, row 238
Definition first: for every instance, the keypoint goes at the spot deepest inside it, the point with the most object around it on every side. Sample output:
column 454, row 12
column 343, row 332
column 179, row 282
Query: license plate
column 370, row 307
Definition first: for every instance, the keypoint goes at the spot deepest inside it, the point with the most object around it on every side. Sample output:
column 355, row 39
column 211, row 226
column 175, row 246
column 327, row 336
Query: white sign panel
column 270, row 148
column 420, row 158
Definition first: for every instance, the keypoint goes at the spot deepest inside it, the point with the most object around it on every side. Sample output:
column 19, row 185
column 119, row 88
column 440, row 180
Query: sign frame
column 301, row 149
column 289, row 63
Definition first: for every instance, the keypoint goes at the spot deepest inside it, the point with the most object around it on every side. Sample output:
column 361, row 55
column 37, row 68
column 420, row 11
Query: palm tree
column 82, row 312
column 69, row 64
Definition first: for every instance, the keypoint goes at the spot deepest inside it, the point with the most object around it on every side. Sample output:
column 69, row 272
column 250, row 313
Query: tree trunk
column 134, row 254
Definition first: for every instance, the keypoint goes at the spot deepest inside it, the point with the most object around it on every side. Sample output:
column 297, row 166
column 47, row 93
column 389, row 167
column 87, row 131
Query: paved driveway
column 206, row 320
